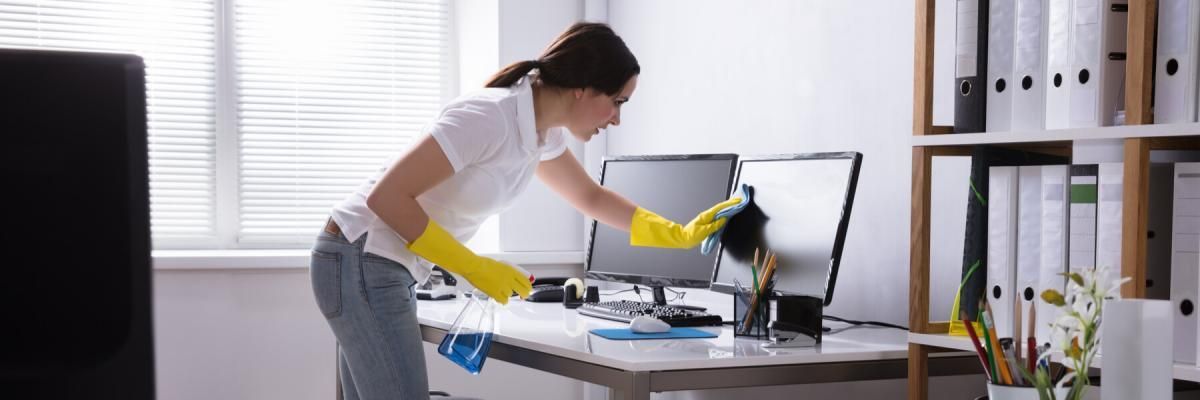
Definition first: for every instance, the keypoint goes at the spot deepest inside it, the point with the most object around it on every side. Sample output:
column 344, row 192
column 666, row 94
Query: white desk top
column 550, row 328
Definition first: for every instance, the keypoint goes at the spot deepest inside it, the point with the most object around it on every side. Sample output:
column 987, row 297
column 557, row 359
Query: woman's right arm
column 394, row 197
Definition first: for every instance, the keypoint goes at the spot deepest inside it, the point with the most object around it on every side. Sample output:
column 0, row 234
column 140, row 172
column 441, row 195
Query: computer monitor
column 677, row 187
column 806, row 199
column 76, row 285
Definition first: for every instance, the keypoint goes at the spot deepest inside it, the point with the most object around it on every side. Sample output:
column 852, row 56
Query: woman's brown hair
column 586, row 55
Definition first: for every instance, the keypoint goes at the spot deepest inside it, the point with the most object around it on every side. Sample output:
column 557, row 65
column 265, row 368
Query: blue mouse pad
column 674, row 333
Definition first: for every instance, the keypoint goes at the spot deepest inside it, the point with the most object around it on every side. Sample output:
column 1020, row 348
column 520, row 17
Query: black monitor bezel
column 844, row 222
column 651, row 280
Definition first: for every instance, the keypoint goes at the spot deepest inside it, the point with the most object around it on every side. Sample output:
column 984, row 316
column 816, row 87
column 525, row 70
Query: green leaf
column 1044, row 387
column 1077, row 389
column 1054, row 298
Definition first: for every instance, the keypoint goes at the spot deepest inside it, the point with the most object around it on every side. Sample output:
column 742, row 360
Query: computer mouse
column 646, row 324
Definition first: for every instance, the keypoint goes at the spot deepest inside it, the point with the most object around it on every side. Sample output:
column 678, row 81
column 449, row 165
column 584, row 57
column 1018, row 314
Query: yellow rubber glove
column 651, row 230
column 494, row 278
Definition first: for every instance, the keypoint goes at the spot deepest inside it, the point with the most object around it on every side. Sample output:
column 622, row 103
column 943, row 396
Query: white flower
column 1079, row 324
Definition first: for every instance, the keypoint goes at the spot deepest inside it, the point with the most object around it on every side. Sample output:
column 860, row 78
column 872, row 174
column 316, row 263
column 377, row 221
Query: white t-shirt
column 489, row 136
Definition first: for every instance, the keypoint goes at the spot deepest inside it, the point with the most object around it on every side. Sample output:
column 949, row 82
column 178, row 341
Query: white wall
column 768, row 77
column 240, row 334
column 526, row 27
column 256, row 333
column 789, row 76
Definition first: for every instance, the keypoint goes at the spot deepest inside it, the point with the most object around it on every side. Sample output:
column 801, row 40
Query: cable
column 853, row 322
column 617, row 292
column 638, row 291
column 678, row 295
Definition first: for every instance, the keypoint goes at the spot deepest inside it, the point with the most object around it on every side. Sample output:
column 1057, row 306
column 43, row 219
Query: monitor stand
column 660, row 298
column 660, row 295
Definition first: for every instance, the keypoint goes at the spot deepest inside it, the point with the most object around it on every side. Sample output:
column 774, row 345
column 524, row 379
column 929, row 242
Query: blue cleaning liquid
column 469, row 351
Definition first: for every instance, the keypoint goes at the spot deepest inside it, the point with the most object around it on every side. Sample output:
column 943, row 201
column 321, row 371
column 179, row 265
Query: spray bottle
column 470, row 338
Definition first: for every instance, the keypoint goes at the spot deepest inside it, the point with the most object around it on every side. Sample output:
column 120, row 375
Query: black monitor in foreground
column 806, row 199
column 676, row 187
column 76, row 285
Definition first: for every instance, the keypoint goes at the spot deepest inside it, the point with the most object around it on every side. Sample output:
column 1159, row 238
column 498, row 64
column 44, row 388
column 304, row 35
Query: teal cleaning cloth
column 674, row 333
column 711, row 241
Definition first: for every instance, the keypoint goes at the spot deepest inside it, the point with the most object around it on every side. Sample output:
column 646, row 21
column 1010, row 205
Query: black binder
column 970, row 90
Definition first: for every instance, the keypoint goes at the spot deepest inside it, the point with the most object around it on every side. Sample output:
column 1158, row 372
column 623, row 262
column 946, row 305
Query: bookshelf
column 1138, row 137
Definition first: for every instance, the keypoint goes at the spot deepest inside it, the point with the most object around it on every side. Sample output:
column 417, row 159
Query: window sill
column 298, row 259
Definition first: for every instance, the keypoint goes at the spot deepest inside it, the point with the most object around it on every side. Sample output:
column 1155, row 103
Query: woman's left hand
column 652, row 230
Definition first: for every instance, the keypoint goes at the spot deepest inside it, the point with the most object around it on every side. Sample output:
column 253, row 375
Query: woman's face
column 595, row 110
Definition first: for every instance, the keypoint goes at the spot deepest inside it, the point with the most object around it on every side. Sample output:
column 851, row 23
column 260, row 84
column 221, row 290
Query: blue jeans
column 370, row 303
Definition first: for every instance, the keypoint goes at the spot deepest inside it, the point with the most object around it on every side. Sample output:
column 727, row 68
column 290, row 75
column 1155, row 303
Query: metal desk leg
column 636, row 388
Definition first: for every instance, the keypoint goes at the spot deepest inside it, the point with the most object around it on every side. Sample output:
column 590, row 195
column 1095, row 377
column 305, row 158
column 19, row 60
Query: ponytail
column 586, row 55
column 511, row 74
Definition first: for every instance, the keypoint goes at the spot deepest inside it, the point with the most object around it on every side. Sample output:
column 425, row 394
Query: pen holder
column 1003, row 392
column 751, row 317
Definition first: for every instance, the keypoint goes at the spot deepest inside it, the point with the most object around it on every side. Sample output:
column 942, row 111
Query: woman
column 477, row 156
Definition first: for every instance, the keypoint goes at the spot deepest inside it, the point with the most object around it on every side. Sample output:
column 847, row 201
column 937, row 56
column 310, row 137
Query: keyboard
column 625, row 311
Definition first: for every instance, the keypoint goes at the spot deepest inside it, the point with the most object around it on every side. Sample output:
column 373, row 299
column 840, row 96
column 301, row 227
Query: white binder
column 1001, row 25
column 1082, row 241
column 1029, row 238
column 1185, row 276
column 1054, row 207
column 1108, row 216
column 1097, row 82
column 1029, row 65
column 1058, row 64
column 1137, row 351
column 1002, row 246
column 1176, row 68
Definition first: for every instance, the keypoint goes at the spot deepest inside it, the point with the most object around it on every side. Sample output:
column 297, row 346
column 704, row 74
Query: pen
column 1009, row 350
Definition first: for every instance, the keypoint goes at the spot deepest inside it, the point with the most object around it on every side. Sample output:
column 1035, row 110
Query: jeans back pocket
column 326, row 270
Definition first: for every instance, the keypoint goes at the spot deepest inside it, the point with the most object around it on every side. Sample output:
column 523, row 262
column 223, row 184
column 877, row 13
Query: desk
column 550, row 338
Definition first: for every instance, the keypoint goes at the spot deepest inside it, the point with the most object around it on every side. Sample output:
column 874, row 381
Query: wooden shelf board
column 1060, row 135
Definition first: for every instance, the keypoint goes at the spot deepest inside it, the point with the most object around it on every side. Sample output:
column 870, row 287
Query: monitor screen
column 675, row 187
column 806, row 200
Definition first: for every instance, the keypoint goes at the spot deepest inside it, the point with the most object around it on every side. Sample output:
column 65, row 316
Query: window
column 263, row 114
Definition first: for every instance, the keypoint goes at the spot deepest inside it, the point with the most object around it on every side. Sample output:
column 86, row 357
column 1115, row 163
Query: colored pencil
column 989, row 323
column 1032, row 339
column 978, row 348
column 987, row 344
column 1016, row 340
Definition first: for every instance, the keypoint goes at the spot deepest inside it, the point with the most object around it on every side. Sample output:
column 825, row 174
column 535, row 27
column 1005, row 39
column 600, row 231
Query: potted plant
column 1076, row 332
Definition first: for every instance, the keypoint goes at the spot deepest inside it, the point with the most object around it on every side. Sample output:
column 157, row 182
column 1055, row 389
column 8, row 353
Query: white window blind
column 176, row 40
column 327, row 92
column 301, row 100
